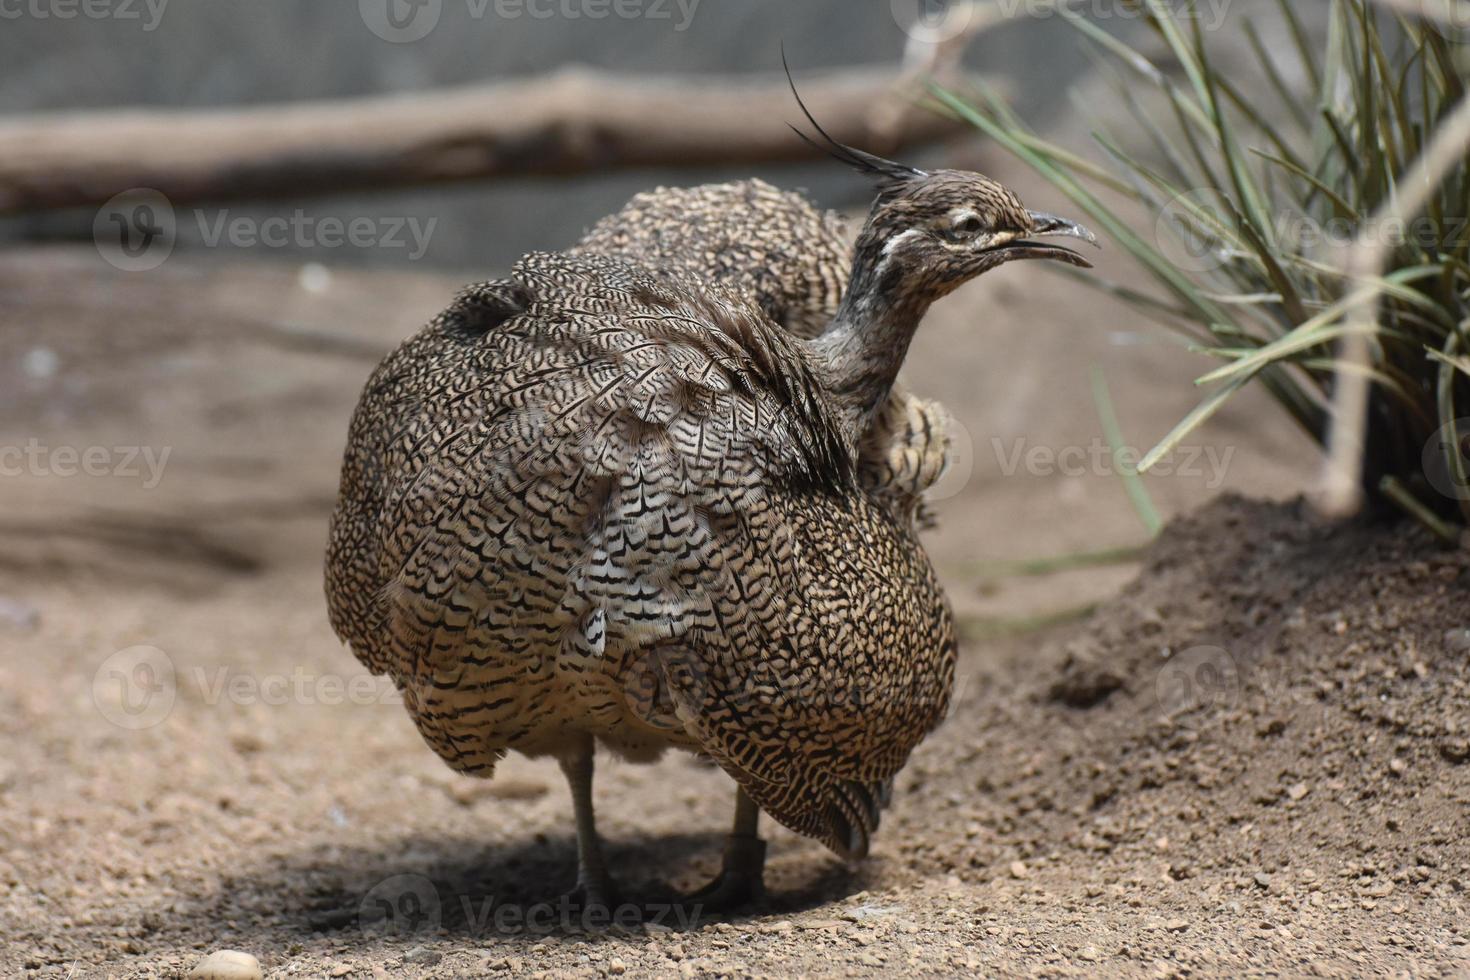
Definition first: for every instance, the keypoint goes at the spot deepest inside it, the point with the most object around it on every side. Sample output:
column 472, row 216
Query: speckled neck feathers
column 863, row 350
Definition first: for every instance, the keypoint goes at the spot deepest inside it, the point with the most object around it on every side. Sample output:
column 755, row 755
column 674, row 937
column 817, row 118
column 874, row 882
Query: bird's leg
column 741, row 878
column 594, row 885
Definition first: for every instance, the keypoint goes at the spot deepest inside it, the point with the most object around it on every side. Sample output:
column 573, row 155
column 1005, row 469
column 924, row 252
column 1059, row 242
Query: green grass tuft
column 1247, row 210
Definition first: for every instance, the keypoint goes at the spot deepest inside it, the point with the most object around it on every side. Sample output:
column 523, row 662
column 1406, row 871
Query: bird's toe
column 731, row 890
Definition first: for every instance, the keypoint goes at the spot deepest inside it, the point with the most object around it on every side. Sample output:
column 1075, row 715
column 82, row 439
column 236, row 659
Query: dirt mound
column 1269, row 722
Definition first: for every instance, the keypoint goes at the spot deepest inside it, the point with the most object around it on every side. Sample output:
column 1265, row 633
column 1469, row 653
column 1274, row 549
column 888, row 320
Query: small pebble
column 1263, row 879
column 1019, row 870
column 814, row 925
column 17, row 615
column 1176, row 925
column 617, row 967
column 1298, row 792
column 1457, row 640
column 40, row 363
column 314, row 277
column 423, row 956
column 227, row 964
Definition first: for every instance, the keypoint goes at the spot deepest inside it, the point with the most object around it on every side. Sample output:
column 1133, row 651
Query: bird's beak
column 1049, row 224
column 1043, row 224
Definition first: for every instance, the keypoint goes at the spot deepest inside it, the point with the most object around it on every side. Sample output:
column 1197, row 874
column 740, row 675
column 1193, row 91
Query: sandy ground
column 1251, row 758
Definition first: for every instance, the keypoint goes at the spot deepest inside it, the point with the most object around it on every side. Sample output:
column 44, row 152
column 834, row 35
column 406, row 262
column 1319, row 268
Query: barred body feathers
column 622, row 511
column 625, row 501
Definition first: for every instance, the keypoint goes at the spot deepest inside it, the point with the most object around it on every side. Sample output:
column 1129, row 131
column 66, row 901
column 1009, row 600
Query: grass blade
column 1143, row 504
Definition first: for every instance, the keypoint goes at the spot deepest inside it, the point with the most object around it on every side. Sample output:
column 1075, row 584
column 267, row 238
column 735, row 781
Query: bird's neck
column 863, row 349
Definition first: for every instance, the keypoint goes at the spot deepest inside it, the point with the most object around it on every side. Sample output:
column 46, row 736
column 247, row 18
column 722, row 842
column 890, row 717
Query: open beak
column 1043, row 224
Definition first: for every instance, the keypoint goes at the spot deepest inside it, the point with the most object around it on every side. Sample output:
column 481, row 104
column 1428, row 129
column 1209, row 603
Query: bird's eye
column 967, row 227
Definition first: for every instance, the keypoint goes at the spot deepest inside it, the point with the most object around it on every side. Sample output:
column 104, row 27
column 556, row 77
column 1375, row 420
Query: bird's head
column 932, row 231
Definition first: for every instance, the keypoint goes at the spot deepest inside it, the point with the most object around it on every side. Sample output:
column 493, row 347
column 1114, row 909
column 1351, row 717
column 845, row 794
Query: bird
column 606, row 503
column 794, row 259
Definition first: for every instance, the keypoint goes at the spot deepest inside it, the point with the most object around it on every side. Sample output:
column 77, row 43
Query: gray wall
column 231, row 52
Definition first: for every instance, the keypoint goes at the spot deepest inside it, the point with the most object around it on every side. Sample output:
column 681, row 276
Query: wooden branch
column 571, row 121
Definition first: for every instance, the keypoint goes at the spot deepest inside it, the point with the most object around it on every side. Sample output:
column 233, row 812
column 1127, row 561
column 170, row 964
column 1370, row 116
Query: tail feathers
column 853, row 812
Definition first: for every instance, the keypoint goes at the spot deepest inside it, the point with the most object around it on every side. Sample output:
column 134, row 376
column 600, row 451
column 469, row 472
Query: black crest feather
column 889, row 175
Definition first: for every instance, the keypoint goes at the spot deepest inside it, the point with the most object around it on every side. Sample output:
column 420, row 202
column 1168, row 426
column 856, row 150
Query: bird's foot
column 740, row 882
column 730, row 891
column 600, row 894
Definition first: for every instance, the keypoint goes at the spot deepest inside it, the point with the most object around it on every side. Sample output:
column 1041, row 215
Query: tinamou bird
column 607, row 502
column 794, row 260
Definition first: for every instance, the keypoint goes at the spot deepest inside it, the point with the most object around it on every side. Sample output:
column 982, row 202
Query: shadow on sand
column 414, row 890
